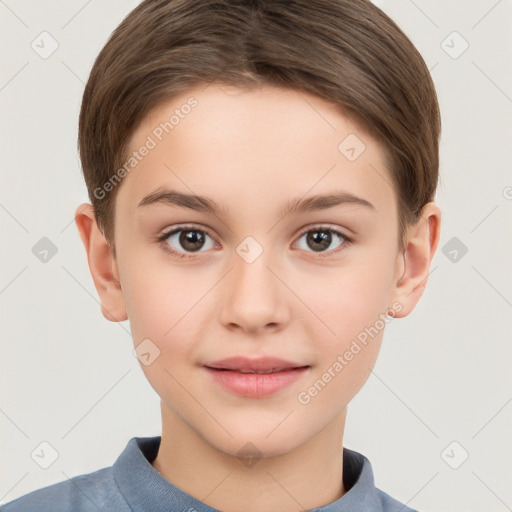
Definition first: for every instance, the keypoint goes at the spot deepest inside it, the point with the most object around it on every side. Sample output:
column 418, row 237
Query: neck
column 309, row 476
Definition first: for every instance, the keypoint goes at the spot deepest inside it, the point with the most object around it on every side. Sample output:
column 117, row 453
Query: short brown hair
column 347, row 52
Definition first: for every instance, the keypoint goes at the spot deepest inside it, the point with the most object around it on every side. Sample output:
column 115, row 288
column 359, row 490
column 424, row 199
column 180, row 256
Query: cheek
column 354, row 307
column 348, row 299
column 158, row 296
column 150, row 309
column 162, row 307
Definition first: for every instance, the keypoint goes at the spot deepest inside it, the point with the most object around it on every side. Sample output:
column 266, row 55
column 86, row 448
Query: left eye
column 320, row 239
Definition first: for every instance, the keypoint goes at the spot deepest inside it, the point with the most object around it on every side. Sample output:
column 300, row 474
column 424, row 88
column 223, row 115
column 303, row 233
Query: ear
column 102, row 264
column 413, row 265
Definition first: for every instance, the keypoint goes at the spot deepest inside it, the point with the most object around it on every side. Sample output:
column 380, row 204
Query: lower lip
column 256, row 385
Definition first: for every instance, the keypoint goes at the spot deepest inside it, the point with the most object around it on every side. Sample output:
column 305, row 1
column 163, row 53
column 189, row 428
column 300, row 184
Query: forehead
column 254, row 147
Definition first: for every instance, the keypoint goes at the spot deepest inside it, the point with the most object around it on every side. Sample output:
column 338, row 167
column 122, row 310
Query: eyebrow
column 296, row 205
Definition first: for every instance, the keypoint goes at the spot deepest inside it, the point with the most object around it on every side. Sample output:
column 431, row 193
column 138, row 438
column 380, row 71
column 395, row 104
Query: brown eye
column 181, row 241
column 322, row 240
column 191, row 240
column 319, row 240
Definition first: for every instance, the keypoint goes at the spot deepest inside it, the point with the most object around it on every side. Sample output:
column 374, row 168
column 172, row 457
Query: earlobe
column 421, row 244
column 102, row 264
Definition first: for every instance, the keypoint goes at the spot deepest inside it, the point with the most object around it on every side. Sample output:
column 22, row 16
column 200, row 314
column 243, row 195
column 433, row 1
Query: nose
column 255, row 297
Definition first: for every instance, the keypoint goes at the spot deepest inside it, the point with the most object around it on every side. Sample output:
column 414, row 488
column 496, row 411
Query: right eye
column 183, row 241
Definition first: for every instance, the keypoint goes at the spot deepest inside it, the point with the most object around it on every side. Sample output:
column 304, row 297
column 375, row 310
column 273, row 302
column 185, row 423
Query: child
column 296, row 144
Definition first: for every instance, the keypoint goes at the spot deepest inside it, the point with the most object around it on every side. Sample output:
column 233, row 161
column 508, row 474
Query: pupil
column 189, row 238
column 321, row 237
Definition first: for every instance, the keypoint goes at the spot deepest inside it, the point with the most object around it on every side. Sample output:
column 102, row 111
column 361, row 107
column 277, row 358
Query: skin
column 253, row 151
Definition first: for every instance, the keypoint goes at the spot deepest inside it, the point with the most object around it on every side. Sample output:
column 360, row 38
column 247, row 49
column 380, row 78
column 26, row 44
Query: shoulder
column 84, row 493
column 362, row 493
column 389, row 504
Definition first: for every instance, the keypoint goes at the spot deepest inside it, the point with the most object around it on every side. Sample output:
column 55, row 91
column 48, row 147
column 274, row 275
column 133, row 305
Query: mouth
column 259, row 372
column 244, row 364
column 255, row 378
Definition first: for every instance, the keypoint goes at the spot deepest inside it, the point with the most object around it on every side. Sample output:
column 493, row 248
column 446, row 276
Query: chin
column 255, row 445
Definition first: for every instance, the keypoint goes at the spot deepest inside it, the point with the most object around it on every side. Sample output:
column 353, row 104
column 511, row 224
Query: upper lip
column 259, row 364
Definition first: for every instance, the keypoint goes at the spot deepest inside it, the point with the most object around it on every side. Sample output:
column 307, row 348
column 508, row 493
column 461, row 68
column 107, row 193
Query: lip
column 242, row 363
column 238, row 375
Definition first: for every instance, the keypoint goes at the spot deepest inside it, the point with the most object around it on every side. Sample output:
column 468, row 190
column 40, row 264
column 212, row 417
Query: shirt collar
column 145, row 489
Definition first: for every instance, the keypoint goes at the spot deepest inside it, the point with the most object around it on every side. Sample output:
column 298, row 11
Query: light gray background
column 69, row 377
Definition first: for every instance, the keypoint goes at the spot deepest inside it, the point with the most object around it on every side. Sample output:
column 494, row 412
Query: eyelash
column 164, row 236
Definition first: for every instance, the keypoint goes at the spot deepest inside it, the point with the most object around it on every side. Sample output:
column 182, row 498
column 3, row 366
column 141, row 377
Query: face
column 243, row 274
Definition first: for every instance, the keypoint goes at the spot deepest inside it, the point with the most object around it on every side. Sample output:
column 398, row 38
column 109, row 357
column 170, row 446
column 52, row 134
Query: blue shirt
column 133, row 485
